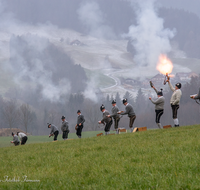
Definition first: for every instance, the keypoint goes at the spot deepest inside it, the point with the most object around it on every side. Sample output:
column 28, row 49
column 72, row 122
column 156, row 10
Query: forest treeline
column 33, row 117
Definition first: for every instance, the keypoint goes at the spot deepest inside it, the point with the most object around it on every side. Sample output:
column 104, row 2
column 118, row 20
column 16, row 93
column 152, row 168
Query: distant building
column 186, row 76
column 158, row 79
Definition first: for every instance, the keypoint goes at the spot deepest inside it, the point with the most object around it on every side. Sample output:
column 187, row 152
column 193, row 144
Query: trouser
column 174, row 111
column 55, row 135
column 65, row 134
column 116, row 121
column 108, row 126
column 17, row 143
column 79, row 130
column 132, row 119
column 158, row 115
column 24, row 139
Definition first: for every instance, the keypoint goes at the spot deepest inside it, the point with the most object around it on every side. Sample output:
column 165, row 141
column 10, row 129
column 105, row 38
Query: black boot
column 176, row 125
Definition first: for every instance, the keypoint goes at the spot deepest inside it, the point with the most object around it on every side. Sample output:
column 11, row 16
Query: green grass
column 154, row 159
column 5, row 141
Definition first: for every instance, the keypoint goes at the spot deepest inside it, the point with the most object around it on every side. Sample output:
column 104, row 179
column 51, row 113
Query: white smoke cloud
column 149, row 37
column 93, row 19
column 36, row 74
column 90, row 90
column 36, row 71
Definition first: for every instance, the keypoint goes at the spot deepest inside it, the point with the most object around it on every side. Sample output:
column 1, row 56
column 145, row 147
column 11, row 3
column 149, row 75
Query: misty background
column 60, row 56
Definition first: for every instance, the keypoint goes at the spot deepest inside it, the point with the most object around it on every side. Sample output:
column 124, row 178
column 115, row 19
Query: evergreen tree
column 129, row 98
column 140, row 102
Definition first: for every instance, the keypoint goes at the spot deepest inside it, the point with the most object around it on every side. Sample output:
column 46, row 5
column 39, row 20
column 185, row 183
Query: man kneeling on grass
column 23, row 137
column 54, row 131
column 15, row 140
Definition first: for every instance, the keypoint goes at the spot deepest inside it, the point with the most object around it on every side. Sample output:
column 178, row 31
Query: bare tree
column 54, row 117
column 26, row 116
column 10, row 113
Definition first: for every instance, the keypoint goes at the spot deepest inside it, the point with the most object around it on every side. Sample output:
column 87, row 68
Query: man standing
column 23, row 137
column 159, row 106
column 65, row 128
column 107, row 121
column 15, row 140
column 79, row 125
column 130, row 112
column 175, row 100
column 115, row 115
column 54, row 131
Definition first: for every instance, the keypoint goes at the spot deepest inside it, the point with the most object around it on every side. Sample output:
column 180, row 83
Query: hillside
column 155, row 159
column 107, row 60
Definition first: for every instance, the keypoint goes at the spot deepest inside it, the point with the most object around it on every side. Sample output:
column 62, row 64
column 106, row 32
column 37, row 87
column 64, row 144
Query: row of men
column 54, row 130
column 108, row 118
column 159, row 109
column 65, row 127
column 22, row 136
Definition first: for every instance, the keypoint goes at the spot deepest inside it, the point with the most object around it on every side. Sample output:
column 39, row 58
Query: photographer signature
column 17, row 179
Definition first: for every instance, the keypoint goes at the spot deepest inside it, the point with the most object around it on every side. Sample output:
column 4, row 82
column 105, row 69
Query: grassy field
column 5, row 141
column 154, row 159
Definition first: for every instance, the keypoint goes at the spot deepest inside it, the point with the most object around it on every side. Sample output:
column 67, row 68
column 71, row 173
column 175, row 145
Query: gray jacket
column 65, row 126
column 53, row 129
column 114, row 110
column 105, row 118
column 15, row 139
column 198, row 95
column 128, row 110
column 80, row 119
column 159, row 103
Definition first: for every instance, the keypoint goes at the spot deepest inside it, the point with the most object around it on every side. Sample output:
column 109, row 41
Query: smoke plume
column 27, row 74
column 93, row 19
column 149, row 37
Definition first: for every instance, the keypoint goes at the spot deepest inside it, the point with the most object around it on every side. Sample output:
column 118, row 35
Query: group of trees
column 13, row 115
column 33, row 118
column 36, row 60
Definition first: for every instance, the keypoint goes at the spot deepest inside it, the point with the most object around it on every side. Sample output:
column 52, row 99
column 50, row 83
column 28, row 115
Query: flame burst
column 164, row 65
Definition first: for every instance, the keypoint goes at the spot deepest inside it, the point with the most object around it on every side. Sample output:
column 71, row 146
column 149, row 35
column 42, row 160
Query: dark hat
column 160, row 93
column 12, row 133
column 48, row 124
column 102, row 107
column 79, row 111
column 178, row 85
column 63, row 117
column 124, row 100
column 114, row 101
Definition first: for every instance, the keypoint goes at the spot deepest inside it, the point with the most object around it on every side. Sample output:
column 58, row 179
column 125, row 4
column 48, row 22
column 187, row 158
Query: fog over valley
column 60, row 56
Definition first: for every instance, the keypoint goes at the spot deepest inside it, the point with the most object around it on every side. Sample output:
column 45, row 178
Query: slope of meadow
column 154, row 159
